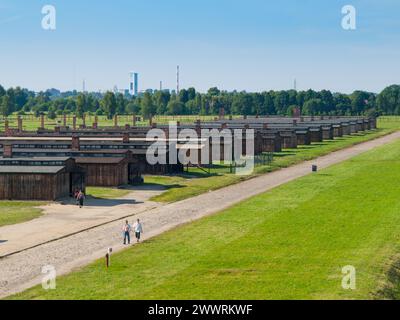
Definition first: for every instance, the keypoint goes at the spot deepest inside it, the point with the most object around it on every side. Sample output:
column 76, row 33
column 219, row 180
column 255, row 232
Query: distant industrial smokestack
column 177, row 80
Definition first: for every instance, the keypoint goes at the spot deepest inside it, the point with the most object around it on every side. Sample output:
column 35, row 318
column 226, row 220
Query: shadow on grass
column 164, row 186
column 284, row 154
column 196, row 174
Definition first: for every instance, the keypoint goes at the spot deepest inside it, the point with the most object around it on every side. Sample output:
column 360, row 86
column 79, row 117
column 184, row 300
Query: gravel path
column 23, row 270
column 63, row 219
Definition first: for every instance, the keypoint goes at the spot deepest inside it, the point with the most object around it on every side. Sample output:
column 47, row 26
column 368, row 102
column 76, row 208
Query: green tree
column 51, row 114
column 80, row 105
column 109, row 104
column 148, row 108
column 359, row 102
column 2, row 91
column 313, row 107
column 175, row 107
column 6, row 106
column 388, row 101
column 121, row 104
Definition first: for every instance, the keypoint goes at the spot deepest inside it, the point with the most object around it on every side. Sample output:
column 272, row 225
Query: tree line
column 191, row 102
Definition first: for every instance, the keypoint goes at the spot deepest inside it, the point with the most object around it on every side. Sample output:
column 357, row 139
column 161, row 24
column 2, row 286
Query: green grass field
column 290, row 243
column 13, row 212
column 181, row 187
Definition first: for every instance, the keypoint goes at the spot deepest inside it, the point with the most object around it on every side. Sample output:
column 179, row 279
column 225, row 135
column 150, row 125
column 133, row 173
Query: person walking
column 76, row 193
column 138, row 230
column 81, row 199
column 126, row 230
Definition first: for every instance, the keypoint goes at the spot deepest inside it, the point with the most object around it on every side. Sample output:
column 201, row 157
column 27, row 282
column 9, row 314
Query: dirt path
column 23, row 270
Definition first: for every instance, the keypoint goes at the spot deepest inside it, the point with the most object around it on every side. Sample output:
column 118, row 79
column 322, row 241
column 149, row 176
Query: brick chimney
column 7, row 150
column 296, row 112
column 20, row 127
column 221, row 113
column 125, row 138
column 198, row 127
column 166, row 131
column 42, row 121
column 75, row 144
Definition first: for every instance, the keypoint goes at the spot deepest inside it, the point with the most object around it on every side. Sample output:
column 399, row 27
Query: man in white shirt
column 138, row 230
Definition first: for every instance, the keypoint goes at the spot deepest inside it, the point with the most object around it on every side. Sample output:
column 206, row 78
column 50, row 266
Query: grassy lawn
column 181, row 187
column 106, row 193
column 13, row 212
column 290, row 243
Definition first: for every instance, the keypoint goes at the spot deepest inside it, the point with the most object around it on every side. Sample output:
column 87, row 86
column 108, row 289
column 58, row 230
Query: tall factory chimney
column 177, row 80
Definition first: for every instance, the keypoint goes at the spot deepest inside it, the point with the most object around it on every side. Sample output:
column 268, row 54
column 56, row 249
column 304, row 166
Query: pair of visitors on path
column 126, row 229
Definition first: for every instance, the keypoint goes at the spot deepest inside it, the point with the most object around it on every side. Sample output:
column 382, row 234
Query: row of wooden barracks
column 51, row 164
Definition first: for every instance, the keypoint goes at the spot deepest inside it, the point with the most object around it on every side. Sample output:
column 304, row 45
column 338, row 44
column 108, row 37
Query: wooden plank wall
column 34, row 186
column 106, row 175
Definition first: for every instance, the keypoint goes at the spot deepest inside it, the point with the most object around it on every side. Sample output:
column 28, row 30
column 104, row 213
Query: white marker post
column 108, row 257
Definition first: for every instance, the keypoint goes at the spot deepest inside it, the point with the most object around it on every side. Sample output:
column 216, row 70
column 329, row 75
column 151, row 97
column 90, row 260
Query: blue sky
column 248, row 45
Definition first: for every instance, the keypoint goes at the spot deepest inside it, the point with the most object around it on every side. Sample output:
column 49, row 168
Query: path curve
column 23, row 270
